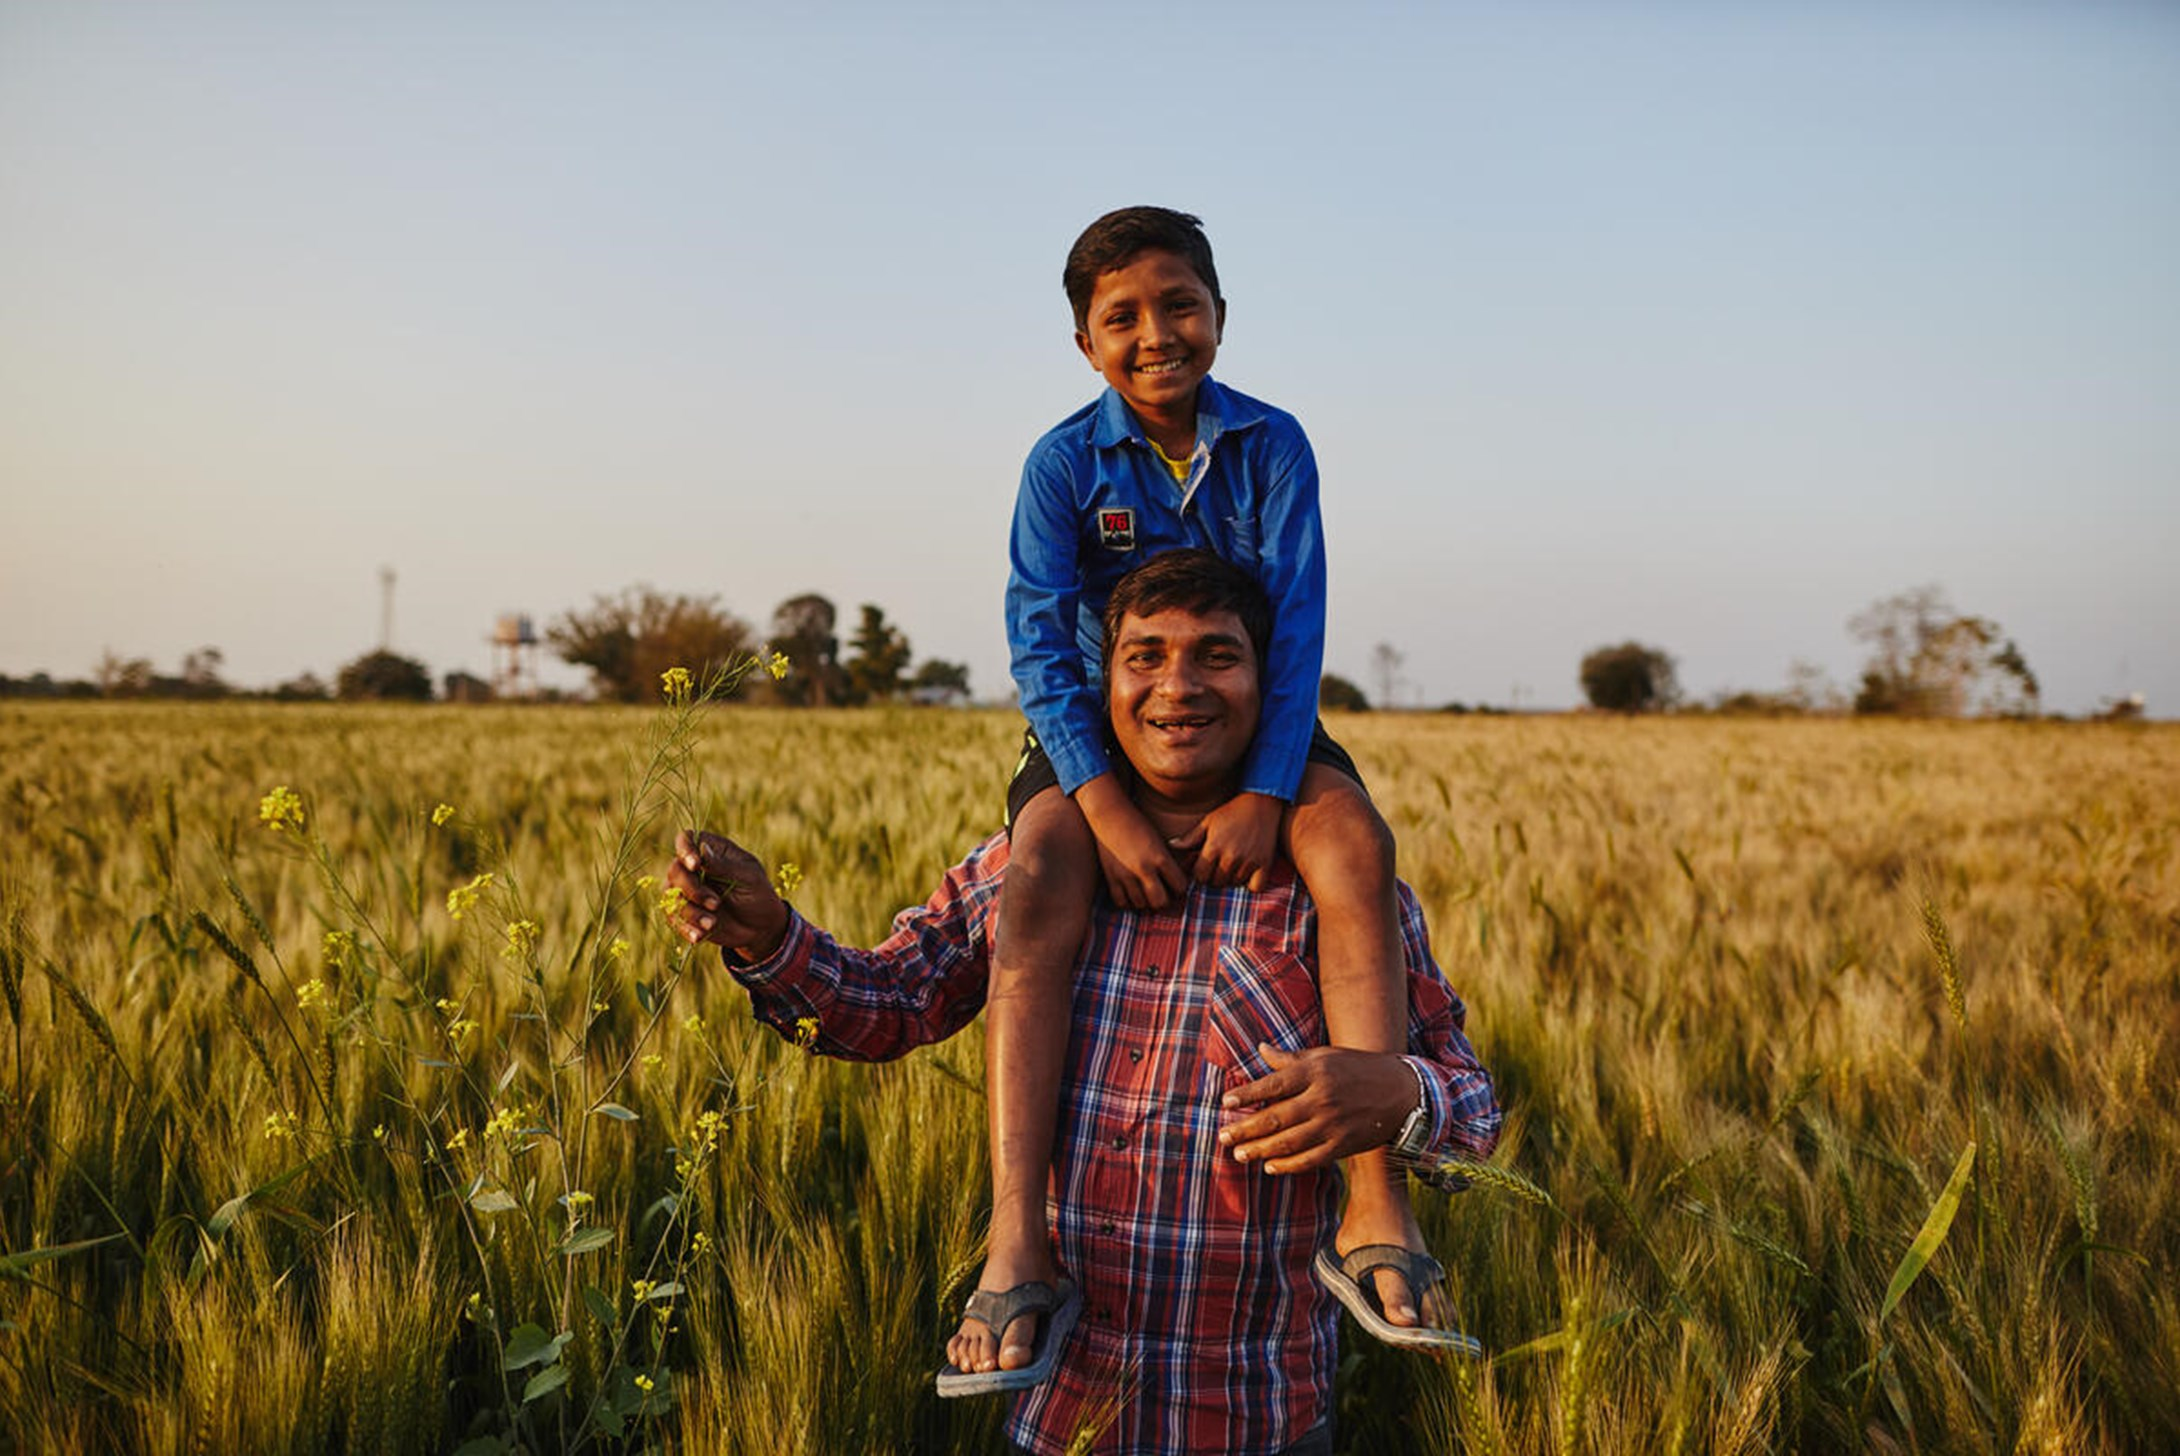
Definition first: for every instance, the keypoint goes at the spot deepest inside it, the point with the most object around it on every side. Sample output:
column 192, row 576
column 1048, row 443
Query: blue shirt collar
column 1216, row 413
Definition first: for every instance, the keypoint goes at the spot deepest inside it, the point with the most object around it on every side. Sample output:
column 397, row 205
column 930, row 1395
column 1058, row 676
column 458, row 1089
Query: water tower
column 514, row 656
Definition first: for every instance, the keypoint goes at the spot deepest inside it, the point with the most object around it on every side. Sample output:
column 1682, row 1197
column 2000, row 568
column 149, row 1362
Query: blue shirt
column 1096, row 501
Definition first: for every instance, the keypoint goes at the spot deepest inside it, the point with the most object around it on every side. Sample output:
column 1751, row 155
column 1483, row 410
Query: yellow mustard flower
column 616, row 950
column 521, row 935
column 644, row 1383
column 280, row 1127
column 694, row 1025
column 671, row 901
column 806, row 1030
column 310, row 993
column 463, row 898
column 460, row 1139
column 505, row 1123
column 676, row 682
column 441, row 815
column 787, row 878
column 339, row 947
column 652, row 1061
column 777, row 664
column 281, row 810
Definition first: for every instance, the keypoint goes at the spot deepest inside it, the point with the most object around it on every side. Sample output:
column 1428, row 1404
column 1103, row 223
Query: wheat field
column 1836, row 1056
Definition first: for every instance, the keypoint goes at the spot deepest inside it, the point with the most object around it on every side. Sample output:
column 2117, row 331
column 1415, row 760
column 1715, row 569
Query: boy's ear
column 1082, row 342
column 1222, row 321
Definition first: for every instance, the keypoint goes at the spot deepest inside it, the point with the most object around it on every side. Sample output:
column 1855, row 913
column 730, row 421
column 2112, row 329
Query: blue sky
column 1701, row 324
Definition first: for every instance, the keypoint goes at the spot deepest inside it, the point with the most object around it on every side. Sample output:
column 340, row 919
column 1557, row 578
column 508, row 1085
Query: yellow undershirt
column 1178, row 467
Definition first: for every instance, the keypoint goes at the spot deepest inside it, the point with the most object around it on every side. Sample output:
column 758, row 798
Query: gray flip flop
column 996, row 1309
column 1345, row 1278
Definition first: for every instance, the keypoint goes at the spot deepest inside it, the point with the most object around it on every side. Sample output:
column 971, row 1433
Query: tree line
column 625, row 641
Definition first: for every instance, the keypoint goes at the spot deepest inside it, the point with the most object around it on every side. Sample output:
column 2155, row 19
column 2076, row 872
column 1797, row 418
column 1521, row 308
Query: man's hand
column 1140, row 871
column 1318, row 1106
column 727, row 898
column 1236, row 842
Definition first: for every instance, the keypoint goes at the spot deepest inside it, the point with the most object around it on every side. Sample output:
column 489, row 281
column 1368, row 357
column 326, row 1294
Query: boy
column 1165, row 458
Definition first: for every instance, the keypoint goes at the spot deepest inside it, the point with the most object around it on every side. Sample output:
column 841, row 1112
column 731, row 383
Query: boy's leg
column 1344, row 853
column 1044, row 910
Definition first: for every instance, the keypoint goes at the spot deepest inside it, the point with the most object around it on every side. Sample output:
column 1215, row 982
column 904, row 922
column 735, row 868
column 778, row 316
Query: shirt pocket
column 1260, row 997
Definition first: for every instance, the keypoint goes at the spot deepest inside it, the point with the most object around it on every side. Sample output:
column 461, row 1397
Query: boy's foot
column 976, row 1347
column 1378, row 1212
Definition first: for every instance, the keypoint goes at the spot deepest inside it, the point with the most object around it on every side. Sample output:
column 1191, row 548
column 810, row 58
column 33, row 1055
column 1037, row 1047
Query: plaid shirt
column 1202, row 1328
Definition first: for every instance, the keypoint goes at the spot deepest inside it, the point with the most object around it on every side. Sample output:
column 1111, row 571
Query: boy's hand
column 1236, row 842
column 727, row 898
column 1140, row 871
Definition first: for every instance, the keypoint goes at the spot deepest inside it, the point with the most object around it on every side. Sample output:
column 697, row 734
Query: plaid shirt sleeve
column 1460, row 1105
column 923, row 984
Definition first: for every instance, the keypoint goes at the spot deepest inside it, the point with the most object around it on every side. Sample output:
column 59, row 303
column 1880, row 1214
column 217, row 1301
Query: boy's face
column 1152, row 330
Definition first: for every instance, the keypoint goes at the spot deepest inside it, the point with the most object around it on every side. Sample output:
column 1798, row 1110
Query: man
column 1199, row 1114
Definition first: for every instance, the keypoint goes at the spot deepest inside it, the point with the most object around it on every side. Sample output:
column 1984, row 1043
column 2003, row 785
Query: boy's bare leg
column 1044, row 910
column 1344, row 853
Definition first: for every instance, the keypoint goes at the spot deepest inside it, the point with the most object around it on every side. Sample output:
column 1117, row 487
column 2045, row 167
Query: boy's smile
column 1152, row 330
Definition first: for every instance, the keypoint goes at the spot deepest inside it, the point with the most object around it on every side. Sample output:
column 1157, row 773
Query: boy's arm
column 1291, row 567
column 923, row 984
column 1044, row 599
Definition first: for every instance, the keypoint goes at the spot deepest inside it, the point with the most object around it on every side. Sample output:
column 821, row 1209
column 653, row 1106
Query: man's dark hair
column 1189, row 580
column 1114, row 240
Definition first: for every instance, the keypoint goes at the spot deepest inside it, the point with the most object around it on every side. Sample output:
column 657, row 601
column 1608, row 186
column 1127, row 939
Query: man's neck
column 1173, row 814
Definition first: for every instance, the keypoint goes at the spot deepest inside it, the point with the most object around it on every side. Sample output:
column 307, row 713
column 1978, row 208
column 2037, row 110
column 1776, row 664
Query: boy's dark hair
column 1189, row 580
column 1114, row 240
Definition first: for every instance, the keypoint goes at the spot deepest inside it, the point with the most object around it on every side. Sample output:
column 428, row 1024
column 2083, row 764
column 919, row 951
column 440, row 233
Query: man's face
column 1152, row 330
column 1184, row 698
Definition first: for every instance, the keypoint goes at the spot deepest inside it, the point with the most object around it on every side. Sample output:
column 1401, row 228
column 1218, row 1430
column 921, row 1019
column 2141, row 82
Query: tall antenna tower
column 386, row 609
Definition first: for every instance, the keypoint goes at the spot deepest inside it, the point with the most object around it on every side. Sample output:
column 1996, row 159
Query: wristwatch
column 1414, row 1138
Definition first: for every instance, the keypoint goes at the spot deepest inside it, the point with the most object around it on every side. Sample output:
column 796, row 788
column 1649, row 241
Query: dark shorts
column 1033, row 773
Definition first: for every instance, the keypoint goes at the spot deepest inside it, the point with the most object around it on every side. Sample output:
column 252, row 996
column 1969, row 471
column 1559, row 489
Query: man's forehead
column 1180, row 623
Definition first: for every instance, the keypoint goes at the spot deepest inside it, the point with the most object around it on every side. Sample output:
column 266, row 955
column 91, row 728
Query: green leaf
column 16, row 1266
column 645, row 996
column 601, row 1308
column 530, row 1345
column 664, row 1291
column 545, row 1382
column 1936, row 1224
column 494, row 1200
column 583, row 1241
column 224, row 1217
column 615, row 1111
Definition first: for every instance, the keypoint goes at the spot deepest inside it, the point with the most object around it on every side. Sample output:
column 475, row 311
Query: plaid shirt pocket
column 1260, row 997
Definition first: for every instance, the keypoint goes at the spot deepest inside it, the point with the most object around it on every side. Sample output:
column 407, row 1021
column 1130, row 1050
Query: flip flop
column 996, row 1309
column 1345, row 1278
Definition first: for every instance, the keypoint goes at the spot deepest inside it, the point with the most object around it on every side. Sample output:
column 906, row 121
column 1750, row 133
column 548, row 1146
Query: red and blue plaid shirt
column 1202, row 1328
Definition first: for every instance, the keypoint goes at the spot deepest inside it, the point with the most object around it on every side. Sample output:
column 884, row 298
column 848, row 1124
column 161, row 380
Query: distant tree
column 1385, row 662
column 802, row 627
column 937, row 681
column 628, row 641
column 384, row 676
column 880, row 656
column 1629, row 678
column 1929, row 661
column 123, row 677
column 305, row 688
column 201, row 674
column 1335, row 694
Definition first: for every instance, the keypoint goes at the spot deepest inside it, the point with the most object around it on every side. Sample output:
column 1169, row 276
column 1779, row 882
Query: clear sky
column 1701, row 324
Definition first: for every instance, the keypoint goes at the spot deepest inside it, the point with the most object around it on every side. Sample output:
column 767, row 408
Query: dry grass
column 1750, row 990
